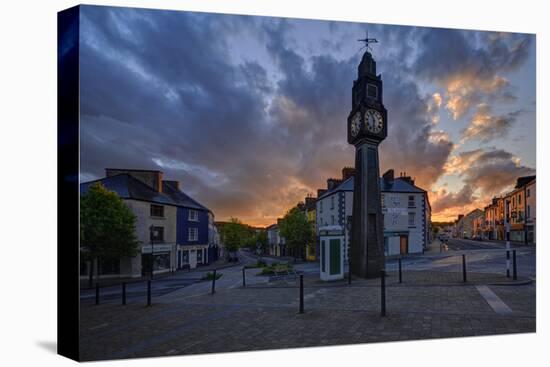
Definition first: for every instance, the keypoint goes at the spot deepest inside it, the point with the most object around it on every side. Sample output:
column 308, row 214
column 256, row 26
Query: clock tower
column 367, row 127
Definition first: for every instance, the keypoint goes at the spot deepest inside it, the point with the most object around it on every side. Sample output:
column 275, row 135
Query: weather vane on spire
column 368, row 41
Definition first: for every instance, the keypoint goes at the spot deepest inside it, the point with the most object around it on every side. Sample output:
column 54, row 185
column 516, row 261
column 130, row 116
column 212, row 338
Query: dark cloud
column 469, row 65
column 485, row 126
column 451, row 200
column 165, row 90
column 495, row 171
column 490, row 172
column 412, row 145
column 445, row 53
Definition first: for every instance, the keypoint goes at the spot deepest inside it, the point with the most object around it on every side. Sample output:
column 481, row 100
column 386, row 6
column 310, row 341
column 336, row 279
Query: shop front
column 158, row 257
column 191, row 256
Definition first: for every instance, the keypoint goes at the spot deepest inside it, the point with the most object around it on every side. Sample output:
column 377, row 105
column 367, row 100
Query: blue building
column 195, row 244
column 172, row 228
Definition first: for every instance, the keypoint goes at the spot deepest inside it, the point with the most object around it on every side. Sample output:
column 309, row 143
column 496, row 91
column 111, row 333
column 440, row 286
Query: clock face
column 374, row 121
column 355, row 124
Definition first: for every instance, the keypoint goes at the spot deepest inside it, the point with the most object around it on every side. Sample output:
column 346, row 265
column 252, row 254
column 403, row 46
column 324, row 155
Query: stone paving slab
column 255, row 318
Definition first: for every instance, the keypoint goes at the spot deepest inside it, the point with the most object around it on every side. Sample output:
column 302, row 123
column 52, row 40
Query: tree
column 296, row 230
column 107, row 226
column 261, row 239
column 233, row 235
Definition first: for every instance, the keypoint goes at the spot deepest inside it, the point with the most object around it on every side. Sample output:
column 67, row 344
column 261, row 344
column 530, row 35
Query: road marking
column 493, row 300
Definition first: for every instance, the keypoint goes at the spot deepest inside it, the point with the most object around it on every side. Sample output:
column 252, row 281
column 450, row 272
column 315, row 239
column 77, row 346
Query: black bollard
column 514, row 265
column 149, row 292
column 123, row 293
column 507, row 263
column 349, row 272
column 301, row 310
column 214, row 282
column 400, row 276
column 244, row 277
column 464, row 268
column 97, row 293
column 382, row 293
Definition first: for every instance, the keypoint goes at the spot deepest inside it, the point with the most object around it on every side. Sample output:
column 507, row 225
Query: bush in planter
column 276, row 268
column 210, row 276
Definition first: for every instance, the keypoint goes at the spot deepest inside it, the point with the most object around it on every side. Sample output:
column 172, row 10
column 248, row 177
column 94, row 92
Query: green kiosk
column 332, row 252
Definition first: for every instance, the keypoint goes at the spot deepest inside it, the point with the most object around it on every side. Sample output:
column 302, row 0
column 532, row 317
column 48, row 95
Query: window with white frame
column 193, row 215
column 332, row 202
column 411, row 201
column 193, row 234
column 411, row 219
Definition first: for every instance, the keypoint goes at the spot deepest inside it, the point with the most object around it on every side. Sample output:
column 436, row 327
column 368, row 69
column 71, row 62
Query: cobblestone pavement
column 425, row 305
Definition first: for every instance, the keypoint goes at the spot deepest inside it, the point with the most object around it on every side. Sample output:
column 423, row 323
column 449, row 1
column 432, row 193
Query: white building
column 276, row 243
column 405, row 207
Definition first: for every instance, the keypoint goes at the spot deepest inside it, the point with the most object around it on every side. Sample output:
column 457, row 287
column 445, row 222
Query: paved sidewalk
column 425, row 305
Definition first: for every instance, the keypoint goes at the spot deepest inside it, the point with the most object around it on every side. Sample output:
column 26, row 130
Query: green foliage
column 252, row 239
column 257, row 264
column 233, row 235
column 276, row 268
column 210, row 276
column 295, row 229
column 107, row 225
column 261, row 239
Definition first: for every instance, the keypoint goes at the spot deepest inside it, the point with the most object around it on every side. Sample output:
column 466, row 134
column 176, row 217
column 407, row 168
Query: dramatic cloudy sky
column 249, row 113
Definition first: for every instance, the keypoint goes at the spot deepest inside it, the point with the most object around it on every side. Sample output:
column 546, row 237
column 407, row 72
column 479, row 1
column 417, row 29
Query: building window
column 332, row 219
column 193, row 234
column 411, row 201
column 157, row 211
column 519, row 199
column 528, row 194
column 193, row 215
column 199, row 256
column 321, row 206
column 157, row 234
column 332, row 202
column 411, row 219
column 382, row 200
column 185, row 256
column 528, row 211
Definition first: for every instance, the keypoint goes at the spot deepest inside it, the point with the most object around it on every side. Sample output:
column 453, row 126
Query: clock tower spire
column 367, row 127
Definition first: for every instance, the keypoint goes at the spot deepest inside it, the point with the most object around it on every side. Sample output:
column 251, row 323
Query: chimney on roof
column 151, row 178
column 310, row 202
column 347, row 172
column 388, row 176
column 175, row 185
column 332, row 183
column 320, row 192
column 408, row 179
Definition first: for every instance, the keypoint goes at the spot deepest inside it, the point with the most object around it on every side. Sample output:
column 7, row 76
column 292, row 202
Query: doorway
column 404, row 245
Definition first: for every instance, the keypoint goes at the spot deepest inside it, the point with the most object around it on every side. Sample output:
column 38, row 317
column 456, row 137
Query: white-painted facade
column 407, row 217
